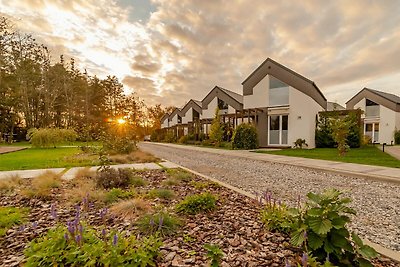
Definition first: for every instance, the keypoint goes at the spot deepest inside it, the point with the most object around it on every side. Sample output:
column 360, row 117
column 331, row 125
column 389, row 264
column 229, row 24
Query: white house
column 191, row 114
column 381, row 113
column 228, row 103
column 283, row 105
column 165, row 121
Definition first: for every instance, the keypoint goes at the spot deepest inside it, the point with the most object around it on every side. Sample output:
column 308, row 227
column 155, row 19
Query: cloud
column 186, row 47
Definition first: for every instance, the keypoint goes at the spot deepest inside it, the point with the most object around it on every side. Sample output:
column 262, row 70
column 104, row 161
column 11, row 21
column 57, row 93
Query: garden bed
column 234, row 226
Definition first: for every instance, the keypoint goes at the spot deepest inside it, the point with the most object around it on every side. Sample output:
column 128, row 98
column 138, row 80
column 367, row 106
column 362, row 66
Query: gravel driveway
column 377, row 203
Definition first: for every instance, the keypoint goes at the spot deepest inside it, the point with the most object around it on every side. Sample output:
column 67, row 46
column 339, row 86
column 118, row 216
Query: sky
column 169, row 51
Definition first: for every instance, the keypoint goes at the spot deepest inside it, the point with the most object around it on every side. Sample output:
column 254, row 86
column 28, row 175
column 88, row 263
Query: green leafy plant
column 170, row 137
column 10, row 216
column 214, row 254
column 397, row 137
column 321, row 229
column 109, row 178
column 194, row 204
column 160, row 222
column 137, row 181
column 299, row 143
column 117, row 194
column 184, row 139
column 216, row 130
column 81, row 245
column 180, row 175
column 161, row 193
column 277, row 217
column 340, row 132
column 245, row 137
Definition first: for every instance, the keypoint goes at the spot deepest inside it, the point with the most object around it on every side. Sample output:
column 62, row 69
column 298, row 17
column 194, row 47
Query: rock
column 170, row 256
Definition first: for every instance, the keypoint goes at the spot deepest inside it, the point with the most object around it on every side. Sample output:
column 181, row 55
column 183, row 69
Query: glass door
column 278, row 127
column 372, row 130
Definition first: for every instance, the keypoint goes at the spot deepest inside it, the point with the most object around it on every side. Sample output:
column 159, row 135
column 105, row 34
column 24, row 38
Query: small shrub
column 10, row 184
column 300, row 143
column 171, row 182
column 50, row 137
column 162, row 193
column 117, row 142
column 216, row 129
column 397, row 137
column 340, row 132
column 366, row 140
column 109, row 178
column 170, row 137
column 321, row 229
column 81, row 245
column 194, row 204
column 184, row 139
column 117, row 194
column 214, row 254
column 277, row 217
column 245, row 137
column 130, row 209
column 180, row 175
column 199, row 185
column 42, row 185
column 10, row 216
column 138, row 181
column 160, row 222
column 85, row 173
column 84, row 188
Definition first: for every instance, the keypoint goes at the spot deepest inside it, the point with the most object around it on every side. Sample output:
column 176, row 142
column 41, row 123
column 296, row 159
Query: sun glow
column 121, row 121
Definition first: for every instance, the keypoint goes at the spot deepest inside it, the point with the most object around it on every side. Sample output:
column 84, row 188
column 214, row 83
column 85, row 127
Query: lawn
column 40, row 158
column 369, row 155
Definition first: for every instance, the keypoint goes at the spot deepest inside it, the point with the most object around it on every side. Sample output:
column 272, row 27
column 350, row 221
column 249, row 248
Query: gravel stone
column 377, row 203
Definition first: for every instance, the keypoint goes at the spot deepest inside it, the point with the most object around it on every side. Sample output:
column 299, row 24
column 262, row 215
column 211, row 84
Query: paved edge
column 373, row 177
column 388, row 253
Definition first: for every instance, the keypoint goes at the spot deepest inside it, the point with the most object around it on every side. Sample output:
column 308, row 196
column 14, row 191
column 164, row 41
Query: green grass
column 369, row 155
column 75, row 143
column 10, row 216
column 41, row 158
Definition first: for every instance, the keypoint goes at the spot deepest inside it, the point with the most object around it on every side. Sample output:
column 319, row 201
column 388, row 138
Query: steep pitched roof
column 334, row 106
column 287, row 76
column 176, row 111
column 163, row 118
column 231, row 98
column 388, row 100
column 195, row 104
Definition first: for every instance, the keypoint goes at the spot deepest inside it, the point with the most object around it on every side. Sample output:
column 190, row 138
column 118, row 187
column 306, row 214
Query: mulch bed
column 234, row 226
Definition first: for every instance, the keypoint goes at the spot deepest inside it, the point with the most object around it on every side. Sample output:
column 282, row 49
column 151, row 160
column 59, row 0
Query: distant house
column 282, row 104
column 191, row 115
column 175, row 121
column 381, row 113
column 165, row 121
column 228, row 102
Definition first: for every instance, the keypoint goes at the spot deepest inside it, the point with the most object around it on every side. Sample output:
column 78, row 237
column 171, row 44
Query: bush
column 180, row 175
column 397, row 137
column 194, row 204
column 42, row 185
column 130, row 209
column 117, row 194
column 161, row 222
column 81, row 245
column 162, row 193
column 184, row 139
column 277, row 217
column 214, row 254
column 216, row 129
column 300, row 143
column 321, row 229
column 8, row 185
column 10, row 216
column 50, row 137
column 157, row 135
column 170, row 137
column 109, row 178
column 245, row 137
column 138, row 181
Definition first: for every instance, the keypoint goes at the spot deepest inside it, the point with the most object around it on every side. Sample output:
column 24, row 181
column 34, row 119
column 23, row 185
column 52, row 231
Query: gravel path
column 377, row 203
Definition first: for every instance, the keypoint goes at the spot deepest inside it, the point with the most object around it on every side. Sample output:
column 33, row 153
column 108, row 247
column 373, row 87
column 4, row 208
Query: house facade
column 282, row 104
column 191, row 115
column 381, row 114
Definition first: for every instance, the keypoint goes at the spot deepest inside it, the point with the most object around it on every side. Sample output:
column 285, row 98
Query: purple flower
column 103, row 232
column 115, row 240
column 66, row 237
column 71, row 227
column 53, row 211
column 78, row 239
column 34, row 225
column 304, row 259
column 80, row 228
column 21, row 228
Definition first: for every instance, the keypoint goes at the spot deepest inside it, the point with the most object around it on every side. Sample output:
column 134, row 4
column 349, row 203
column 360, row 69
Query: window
column 222, row 104
column 371, row 109
column 278, row 92
column 179, row 119
column 278, row 129
column 195, row 115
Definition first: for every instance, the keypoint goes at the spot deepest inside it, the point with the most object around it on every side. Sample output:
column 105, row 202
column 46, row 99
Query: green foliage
column 397, row 137
column 216, row 130
column 157, row 135
column 323, row 132
column 161, row 193
column 170, row 137
column 214, row 254
column 160, row 222
column 109, row 178
column 194, row 204
column 184, row 139
column 340, row 132
column 61, row 248
column 117, row 194
column 321, row 229
column 180, row 175
column 50, row 137
column 299, row 143
column 137, row 181
column 119, row 144
column 245, row 137
column 10, row 216
column 278, row 217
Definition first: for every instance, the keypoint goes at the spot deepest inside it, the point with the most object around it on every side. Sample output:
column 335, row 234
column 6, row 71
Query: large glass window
column 278, row 92
column 195, row 115
column 284, row 135
column 278, row 129
column 222, row 105
column 371, row 109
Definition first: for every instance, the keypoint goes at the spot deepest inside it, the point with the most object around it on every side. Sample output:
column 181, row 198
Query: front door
column 372, row 130
column 278, row 126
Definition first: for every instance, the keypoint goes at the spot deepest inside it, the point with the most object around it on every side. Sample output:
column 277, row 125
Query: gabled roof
column 195, row 104
column 231, row 98
column 388, row 100
column 163, row 118
column 287, row 76
column 176, row 111
column 334, row 106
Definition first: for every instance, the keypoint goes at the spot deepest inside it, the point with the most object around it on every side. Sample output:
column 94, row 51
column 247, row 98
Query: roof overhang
column 191, row 104
column 217, row 92
column 369, row 94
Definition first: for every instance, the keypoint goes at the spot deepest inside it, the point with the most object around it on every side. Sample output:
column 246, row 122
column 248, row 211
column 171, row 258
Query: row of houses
column 283, row 105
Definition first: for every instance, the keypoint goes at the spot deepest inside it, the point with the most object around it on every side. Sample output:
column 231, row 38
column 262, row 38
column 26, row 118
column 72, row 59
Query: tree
column 217, row 130
column 340, row 131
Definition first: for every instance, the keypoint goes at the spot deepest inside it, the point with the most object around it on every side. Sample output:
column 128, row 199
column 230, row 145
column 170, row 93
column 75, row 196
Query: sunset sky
column 168, row 51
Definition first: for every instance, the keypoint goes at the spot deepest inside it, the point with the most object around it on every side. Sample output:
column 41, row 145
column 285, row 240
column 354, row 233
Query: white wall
column 387, row 125
column 361, row 105
column 188, row 116
column 174, row 120
column 259, row 98
column 165, row 124
column 302, row 114
column 209, row 113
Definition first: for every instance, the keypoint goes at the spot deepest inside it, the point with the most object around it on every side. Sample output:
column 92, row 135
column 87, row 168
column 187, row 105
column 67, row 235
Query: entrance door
column 278, row 126
column 372, row 130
